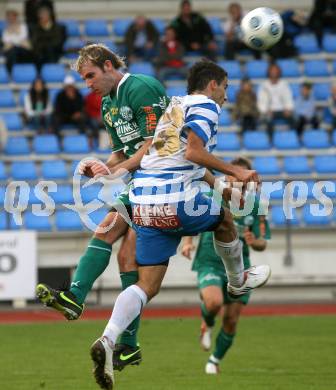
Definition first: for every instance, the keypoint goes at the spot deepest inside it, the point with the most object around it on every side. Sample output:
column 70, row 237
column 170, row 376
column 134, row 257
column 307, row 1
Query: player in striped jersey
column 168, row 204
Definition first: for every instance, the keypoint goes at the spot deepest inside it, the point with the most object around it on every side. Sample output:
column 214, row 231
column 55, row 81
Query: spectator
column 332, row 105
column 275, row 100
column 15, row 40
column 31, row 11
column 305, row 109
column 141, row 39
column 93, row 113
column 47, row 38
column 194, row 31
column 69, row 107
column 233, row 43
column 323, row 16
column 37, row 106
column 245, row 110
column 170, row 58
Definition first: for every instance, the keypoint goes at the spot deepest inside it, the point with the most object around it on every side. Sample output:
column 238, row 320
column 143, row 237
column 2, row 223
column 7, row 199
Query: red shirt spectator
column 92, row 106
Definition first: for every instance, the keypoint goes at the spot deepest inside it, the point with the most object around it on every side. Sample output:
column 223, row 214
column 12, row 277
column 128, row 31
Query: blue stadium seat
column 24, row 73
column 67, row 220
column 4, row 77
column 12, row 121
column 96, row 28
column 142, row 67
column 63, row 195
column 90, row 193
column 76, row 144
column 227, row 141
column 3, row 174
column 278, row 217
column 256, row 69
column 329, row 43
column 72, row 27
column 216, row 25
column 294, row 165
column 160, row 25
column 316, row 139
column 328, row 187
column 74, row 165
column 233, row 69
column 266, row 165
column 97, row 216
column 17, row 146
column 286, row 140
column 120, row 26
column 231, row 92
column 275, row 194
column 3, row 220
column 224, row 118
column 333, row 137
column 176, row 90
column 295, row 88
column 316, row 68
column 35, row 222
column 22, row 96
column 321, row 91
column 32, row 197
column 7, row 99
column 23, row 170
column 2, row 195
column 53, row 73
column 306, row 44
column 46, row 144
column 289, row 67
column 256, row 140
column 13, row 225
column 110, row 44
column 310, row 219
column 325, row 164
column 54, row 170
column 71, row 47
column 53, row 92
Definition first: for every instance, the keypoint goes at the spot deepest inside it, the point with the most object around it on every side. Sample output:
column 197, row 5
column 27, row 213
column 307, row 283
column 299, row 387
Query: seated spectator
column 69, row 107
column 141, row 39
column 245, row 110
column 275, row 99
column 194, row 31
column 47, row 38
column 332, row 105
column 305, row 109
column 323, row 17
column 233, row 43
column 16, row 45
column 93, row 113
column 37, row 106
column 170, row 59
column 32, row 7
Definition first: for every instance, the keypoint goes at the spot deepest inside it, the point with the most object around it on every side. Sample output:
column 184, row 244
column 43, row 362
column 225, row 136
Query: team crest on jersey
column 162, row 103
column 126, row 112
column 108, row 119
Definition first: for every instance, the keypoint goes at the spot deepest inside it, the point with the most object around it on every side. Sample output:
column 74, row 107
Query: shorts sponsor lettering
column 158, row 216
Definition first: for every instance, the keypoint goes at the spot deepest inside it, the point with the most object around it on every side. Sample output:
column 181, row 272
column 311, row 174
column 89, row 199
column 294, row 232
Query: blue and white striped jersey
column 165, row 176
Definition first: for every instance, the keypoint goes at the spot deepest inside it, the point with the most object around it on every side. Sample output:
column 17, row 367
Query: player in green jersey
column 253, row 231
column 131, row 107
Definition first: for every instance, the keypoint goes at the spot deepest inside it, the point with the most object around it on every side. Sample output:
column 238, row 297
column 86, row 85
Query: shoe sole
column 44, row 295
column 134, row 363
column 98, row 357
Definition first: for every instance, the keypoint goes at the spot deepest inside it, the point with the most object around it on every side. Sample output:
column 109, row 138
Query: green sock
column 91, row 265
column 129, row 336
column 223, row 343
column 208, row 317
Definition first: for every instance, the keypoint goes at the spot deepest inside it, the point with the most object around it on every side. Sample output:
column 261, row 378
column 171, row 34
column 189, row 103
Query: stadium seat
column 96, row 28
column 295, row 88
column 110, row 44
column 321, row 91
column 4, row 77
column 232, row 68
column 289, row 68
column 160, row 25
column 53, row 73
column 3, row 174
column 54, row 170
column 224, row 118
column 256, row 140
column 97, row 216
column 22, row 96
column 120, row 26
column 12, row 121
column 23, row 170
column 231, row 92
column 90, row 193
column 71, row 47
column 72, row 27
column 33, row 198
column 74, row 165
column 13, row 224
column 35, row 222
column 46, row 144
column 278, row 217
column 3, row 220
column 316, row 68
column 66, row 220
column 325, row 164
column 7, row 99
column 310, row 219
column 2, row 195
column 17, row 146
column 142, row 68
column 266, row 165
column 316, row 139
column 24, row 73
column 256, row 69
column 63, row 195
column 216, row 25
column 227, row 141
column 176, row 90
column 329, row 43
column 53, row 92
column 268, row 187
column 306, row 44
column 286, row 140
column 76, row 144
column 333, row 137
column 294, row 165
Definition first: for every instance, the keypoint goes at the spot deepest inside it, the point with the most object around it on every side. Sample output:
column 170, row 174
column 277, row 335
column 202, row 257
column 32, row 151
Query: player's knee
column 226, row 227
column 213, row 305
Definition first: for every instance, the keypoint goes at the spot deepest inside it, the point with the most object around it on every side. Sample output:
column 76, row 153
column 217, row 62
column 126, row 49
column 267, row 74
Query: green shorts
column 211, row 276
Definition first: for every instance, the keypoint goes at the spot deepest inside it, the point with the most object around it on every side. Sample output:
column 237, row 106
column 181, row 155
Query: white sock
column 232, row 256
column 127, row 307
column 214, row 360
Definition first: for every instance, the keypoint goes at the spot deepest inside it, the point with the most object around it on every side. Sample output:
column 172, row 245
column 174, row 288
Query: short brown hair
column 242, row 162
column 98, row 53
column 202, row 72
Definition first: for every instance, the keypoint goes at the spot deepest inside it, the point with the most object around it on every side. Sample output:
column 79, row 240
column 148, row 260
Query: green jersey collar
column 126, row 76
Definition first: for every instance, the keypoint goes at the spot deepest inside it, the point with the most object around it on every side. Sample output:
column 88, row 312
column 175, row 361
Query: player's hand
column 187, row 249
column 249, row 237
column 99, row 169
column 84, row 168
column 245, row 176
column 235, row 196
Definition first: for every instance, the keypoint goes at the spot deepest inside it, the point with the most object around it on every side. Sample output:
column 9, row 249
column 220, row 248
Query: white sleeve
column 28, row 109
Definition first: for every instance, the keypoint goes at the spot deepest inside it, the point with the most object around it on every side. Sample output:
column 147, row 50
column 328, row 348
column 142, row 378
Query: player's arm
column 187, row 247
column 257, row 244
column 256, row 237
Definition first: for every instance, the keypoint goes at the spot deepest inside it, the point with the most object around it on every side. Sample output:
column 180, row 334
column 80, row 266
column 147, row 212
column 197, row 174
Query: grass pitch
column 269, row 353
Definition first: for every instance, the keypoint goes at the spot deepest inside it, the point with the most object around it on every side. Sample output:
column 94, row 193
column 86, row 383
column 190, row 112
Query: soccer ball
column 261, row 28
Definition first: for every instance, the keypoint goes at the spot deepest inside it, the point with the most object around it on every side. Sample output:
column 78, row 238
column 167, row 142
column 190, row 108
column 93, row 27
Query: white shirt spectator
column 16, row 35
column 275, row 97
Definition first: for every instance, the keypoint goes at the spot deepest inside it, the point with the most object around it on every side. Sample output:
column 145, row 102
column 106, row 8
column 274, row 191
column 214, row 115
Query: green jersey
column 206, row 255
column 131, row 115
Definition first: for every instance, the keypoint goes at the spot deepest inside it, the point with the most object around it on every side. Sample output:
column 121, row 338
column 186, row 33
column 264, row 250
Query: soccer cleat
column 62, row 301
column 124, row 355
column 102, row 356
column 211, row 368
column 255, row 277
column 205, row 336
